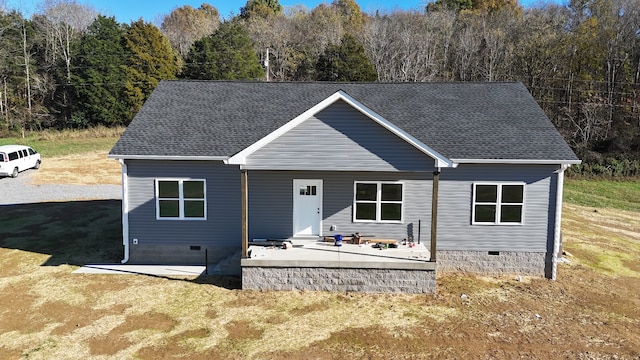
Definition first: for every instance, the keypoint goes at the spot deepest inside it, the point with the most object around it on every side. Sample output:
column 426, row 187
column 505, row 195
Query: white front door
column 307, row 207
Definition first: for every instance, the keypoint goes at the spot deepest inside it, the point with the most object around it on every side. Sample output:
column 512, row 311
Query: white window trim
column 378, row 202
column 181, row 199
column 498, row 203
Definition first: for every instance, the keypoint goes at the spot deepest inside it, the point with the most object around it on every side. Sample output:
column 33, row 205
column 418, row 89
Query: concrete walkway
column 160, row 270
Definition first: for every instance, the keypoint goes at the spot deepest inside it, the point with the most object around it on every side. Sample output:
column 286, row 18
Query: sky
column 152, row 11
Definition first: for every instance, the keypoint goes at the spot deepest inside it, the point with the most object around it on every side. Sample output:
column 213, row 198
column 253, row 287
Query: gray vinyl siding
column 339, row 138
column 455, row 231
column 223, row 225
column 271, row 204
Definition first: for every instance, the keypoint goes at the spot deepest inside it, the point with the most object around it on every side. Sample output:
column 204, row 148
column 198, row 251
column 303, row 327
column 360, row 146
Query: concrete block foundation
column 339, row 279
column 493, row 263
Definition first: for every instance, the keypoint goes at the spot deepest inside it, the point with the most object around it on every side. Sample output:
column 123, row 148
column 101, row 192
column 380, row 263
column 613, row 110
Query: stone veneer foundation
column 484, row 262
column 370, row 280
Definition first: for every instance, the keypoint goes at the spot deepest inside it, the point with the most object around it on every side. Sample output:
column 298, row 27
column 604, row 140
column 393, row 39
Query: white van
column 16, row 158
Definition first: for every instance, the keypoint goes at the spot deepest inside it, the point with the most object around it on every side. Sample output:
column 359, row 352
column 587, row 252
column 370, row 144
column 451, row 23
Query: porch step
column 227, row 266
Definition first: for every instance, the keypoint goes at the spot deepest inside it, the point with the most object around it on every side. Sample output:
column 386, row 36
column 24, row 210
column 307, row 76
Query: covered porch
column 317, row 264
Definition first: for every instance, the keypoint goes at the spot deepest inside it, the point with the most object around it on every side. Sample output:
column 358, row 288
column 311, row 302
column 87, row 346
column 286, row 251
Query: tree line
column 68, row 66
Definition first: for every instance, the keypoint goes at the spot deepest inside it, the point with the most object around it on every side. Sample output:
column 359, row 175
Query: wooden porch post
column 245, row 213
column 434, row 214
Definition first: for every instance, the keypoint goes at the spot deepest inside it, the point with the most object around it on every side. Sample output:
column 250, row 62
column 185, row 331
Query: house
column 474, row 169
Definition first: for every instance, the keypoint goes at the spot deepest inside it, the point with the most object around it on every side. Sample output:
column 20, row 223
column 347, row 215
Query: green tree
column 352, row 18
column 99, row 78
column 151, row 59
column 345, row 62
column 185, row 25
column 456, row 5
column 260, row 8
column 226, row 54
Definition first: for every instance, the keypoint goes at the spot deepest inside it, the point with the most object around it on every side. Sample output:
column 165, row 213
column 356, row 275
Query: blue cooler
column 337, row 240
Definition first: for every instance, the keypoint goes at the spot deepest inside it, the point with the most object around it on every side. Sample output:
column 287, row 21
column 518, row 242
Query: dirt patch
column 177, row 345
column 73, row 317
column 242, row 331
column 108, row 344
column 10, row 353
column 16, row 310
column 306, row 309
column 174, row 351
column 115, row 340
column 211, row 313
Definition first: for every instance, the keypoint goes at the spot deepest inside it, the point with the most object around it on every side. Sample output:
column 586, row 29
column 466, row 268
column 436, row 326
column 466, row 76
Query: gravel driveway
column 21, row 191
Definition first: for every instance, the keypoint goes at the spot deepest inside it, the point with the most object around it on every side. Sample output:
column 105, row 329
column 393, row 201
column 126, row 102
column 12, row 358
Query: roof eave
column 519, row 161
column 166, row 157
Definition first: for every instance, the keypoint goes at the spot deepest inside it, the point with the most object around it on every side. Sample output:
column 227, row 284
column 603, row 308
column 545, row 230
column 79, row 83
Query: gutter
column 517, row 161
column 166, row 157
column 125, row 211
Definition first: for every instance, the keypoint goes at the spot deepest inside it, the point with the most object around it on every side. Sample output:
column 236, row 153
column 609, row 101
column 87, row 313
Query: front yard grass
column 47, row 312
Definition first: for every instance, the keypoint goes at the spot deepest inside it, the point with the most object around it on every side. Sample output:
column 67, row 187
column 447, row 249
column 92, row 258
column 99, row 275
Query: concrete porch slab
column 123, row 269
column 320, row 254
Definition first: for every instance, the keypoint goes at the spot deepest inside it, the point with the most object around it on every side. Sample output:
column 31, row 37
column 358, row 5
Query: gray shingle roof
column 459, row 120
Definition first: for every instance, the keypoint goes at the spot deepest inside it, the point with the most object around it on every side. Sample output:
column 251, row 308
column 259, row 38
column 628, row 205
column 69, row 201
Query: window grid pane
column 391, row 192
column 366, row 192
column 194, row 208
column 511, row 213
column 391, row 212
column 168, row 189
column 366, row 211
column 193, row 189
column 485, row 213
column 487, row 193
column 512, row 194
column 169, row 208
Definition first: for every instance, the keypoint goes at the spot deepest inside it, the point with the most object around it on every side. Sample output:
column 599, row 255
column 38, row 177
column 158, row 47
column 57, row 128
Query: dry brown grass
column 46, row 312
column 79, row 169
column 92, row 133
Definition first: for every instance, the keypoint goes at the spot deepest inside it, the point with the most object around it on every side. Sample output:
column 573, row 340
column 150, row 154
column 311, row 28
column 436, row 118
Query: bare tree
column 409, row 46
column 590, row 124
column 469, row 40
column 62, row 23
column 272, row 39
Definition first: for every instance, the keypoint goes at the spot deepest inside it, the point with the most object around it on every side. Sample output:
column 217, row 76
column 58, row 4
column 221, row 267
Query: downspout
column 434, row 214
column 245, row 212
column 558, row 220
column 125, row 211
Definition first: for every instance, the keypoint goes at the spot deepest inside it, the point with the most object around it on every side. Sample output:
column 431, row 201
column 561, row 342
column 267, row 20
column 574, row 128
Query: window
column 181, row 199
column 308, row 190
column 378, row 202
column 498, row 203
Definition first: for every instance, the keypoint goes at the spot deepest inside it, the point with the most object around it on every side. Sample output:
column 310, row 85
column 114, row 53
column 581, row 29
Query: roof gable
column 241, row 157
column 339, row 138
